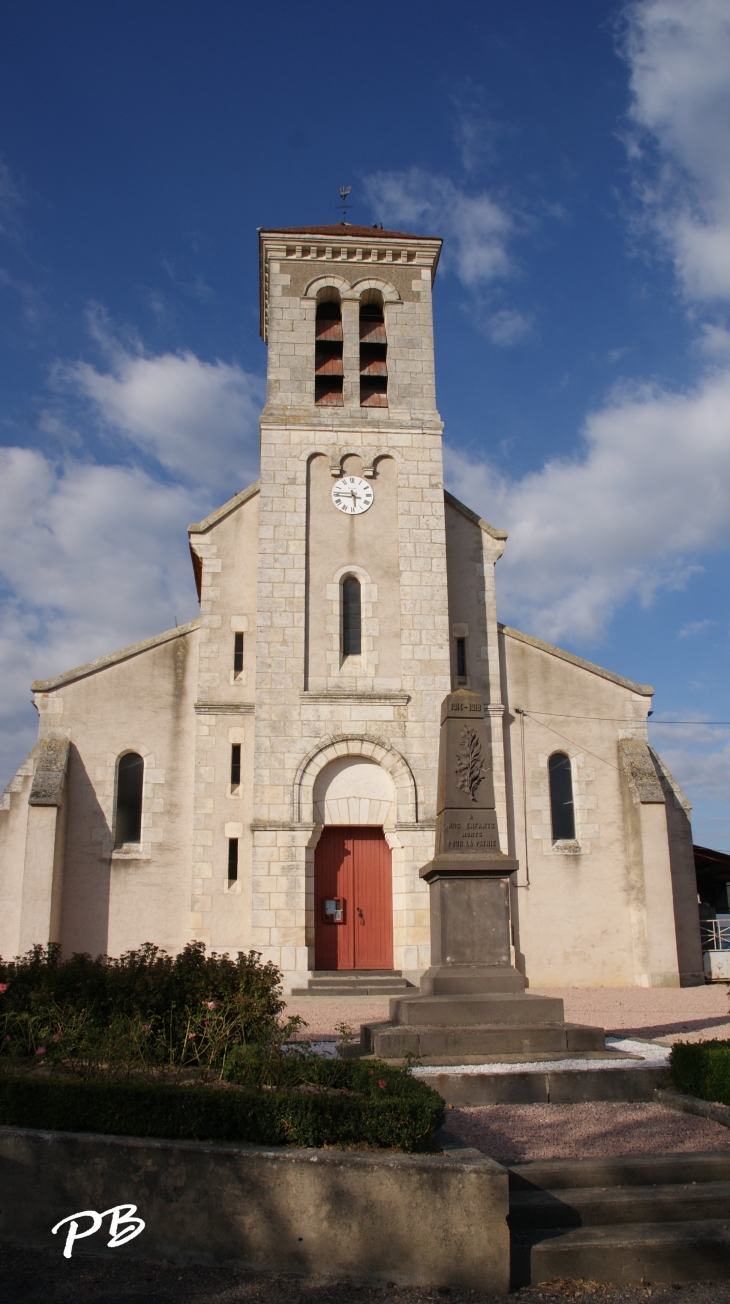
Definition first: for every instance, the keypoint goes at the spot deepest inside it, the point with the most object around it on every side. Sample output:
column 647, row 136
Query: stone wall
column 417, row 1220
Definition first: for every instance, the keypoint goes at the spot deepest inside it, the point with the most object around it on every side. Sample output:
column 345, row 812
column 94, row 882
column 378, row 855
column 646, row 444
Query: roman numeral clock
column 352, row 495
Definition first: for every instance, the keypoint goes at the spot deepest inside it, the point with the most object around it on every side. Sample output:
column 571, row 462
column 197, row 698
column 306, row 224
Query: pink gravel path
column 663, row 1014
column 511, row 1133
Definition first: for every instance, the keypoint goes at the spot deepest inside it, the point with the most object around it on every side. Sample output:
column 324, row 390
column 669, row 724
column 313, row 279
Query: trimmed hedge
column 702, row 1069
column 289, row 1118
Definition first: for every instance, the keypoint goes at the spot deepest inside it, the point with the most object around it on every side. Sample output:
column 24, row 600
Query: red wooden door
column 353, row 900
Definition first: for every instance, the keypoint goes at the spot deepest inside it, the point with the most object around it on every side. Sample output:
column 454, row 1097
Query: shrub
column 146, row 1009
column 395, row 1116
column 289, row 1067
column 702, row 1069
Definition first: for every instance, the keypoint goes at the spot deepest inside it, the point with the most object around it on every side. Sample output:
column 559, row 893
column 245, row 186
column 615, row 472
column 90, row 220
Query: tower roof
column 342, row 229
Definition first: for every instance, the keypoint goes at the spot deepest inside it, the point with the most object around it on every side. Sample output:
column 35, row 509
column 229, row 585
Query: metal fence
column 716, row 934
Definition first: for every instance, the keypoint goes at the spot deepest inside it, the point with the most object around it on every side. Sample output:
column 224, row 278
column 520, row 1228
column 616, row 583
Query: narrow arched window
column 328, row 366
column 130, row 781
column 373, row 353
column 351, row 618
column 562, row 810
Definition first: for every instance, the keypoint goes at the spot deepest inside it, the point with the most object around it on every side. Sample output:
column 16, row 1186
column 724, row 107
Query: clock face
column 352, row 495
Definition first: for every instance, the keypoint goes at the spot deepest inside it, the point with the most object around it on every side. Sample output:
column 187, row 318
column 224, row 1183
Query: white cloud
column 94, row 557
column 508, row 326
column 690, row 732
column 704, row 775
column 648, row 491
column 678, row 53
column 696, row 627
column 477, row 228
column 715, row 342
column 197, row 419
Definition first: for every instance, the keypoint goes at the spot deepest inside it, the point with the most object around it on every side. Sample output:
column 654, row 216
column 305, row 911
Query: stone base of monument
column 497, row 1031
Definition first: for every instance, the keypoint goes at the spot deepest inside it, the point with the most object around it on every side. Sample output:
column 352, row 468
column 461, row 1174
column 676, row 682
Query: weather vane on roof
column 344, row 192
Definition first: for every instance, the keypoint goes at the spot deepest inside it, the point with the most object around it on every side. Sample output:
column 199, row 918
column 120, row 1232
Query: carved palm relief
column 470, row 766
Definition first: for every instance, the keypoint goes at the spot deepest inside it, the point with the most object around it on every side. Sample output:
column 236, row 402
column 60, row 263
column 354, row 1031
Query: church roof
column 80, row 672
column 200, row 527
column 645, row 690
column 343, row 228
column 473, row 516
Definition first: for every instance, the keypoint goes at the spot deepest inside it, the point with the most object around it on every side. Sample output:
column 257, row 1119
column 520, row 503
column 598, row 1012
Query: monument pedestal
column 472, row 1000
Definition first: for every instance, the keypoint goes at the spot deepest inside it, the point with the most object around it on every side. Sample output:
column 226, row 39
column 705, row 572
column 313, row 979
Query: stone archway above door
column 374, row 750
column 354, row 790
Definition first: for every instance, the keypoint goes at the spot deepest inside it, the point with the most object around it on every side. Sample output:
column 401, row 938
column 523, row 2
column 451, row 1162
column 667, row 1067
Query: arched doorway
column 353, row 899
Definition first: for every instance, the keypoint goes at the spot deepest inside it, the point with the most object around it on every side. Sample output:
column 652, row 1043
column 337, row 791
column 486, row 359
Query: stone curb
column 693, row 1105
column 553, row 1087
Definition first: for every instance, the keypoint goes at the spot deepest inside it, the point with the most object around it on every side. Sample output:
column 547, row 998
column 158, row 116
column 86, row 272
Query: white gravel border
column 652, row 1057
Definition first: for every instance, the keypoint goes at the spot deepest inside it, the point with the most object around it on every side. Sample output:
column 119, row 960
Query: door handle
column 360, row 915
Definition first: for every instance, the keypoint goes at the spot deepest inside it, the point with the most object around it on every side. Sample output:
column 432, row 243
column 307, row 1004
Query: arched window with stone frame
column 562, row 807
column 128, row 805
column 351, row 617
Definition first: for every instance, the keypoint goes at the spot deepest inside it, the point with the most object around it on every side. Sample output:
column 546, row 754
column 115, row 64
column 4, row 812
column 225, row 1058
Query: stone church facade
column 212, row 782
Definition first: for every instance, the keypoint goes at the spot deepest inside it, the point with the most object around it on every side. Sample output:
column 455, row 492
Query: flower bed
column 143, row 1012
column 187, row 1047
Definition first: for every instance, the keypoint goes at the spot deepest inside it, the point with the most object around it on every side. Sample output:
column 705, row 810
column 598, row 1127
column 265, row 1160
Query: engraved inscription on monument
column 464, row 831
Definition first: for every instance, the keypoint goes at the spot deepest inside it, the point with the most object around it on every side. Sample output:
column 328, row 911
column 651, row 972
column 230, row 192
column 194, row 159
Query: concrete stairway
column 356, row 982
column 660, row 1217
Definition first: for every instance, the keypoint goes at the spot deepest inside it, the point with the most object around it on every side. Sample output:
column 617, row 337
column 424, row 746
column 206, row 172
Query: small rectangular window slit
column 235, row 764
column 461, row 660
column 237, row 654
column 232, row 860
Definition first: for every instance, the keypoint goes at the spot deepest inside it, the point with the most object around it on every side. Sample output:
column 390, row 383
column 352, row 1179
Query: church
column 265, row 776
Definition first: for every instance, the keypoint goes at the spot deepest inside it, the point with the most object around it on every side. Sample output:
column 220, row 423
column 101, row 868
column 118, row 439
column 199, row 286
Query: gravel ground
column 44, row 1277
column 663, row 1014
column 322, row 1014
column 511, row 1133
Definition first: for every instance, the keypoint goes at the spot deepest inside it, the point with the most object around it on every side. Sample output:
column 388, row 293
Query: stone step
column 354, row 975
column 622, row 1170
column 462, row 1011
column 389, row 1042
column 340, row 990
column 552, row 1085
column 591, row 1206
column 321, row 984
column 357, row 982
column 624, row 1253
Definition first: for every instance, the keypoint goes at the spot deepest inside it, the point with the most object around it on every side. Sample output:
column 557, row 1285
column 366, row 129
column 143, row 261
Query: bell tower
column 348, row 304
column 352, row 630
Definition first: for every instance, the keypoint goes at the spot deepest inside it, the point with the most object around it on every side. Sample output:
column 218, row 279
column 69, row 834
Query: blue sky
column 576, row 159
